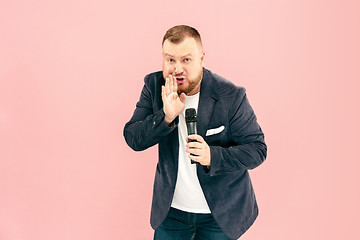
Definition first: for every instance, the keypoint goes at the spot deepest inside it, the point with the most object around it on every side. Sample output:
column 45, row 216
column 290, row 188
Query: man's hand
column 173, row 103
column 199, row 148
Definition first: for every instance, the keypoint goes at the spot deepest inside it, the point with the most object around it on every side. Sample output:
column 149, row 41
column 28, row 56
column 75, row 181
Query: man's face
column 185, row 61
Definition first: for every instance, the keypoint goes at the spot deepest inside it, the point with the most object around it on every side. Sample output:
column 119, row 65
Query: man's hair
column 178, row 33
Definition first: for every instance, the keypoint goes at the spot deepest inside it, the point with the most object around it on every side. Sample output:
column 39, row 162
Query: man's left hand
column 199, row 148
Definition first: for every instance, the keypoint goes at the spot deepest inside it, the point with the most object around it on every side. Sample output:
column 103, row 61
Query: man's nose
column 178, row 68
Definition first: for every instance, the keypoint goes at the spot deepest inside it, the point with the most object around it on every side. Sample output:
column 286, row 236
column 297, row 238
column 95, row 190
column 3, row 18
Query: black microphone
column 190, row 118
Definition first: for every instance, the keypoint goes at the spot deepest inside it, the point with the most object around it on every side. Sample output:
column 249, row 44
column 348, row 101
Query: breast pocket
column 217, row 136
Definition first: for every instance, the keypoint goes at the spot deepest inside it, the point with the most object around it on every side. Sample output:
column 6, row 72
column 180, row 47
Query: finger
column 168, row 81
column 194, row 145
column 195, row 151
column 171, row 83
column 166, row 85
column 182, row 96
column 195, row 158
column 163, row 93
column 189, row 139
column 175, row 86
column 196, row 137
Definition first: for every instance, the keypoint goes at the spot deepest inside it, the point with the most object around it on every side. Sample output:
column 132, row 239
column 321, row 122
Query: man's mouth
column 180, row 80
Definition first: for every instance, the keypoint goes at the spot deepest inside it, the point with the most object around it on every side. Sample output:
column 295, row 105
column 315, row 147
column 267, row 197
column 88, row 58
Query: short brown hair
column 177, row 34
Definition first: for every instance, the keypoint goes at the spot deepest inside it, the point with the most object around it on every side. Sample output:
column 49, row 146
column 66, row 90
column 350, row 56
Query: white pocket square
column 213, row 131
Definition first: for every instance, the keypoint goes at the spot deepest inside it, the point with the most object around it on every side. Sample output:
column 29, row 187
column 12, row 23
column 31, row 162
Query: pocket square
column 213, row 131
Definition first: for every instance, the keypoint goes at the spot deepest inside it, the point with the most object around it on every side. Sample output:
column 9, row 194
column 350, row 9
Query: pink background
column 71, row 72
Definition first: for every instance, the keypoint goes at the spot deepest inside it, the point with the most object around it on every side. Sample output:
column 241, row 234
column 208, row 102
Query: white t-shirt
column 188, row 194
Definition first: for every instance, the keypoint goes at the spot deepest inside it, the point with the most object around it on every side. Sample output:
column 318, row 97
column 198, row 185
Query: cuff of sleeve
column 173, row 124
column 215, row 165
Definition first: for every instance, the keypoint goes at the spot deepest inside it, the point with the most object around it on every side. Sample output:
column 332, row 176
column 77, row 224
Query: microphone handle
column 191, row 127
column 193, row 162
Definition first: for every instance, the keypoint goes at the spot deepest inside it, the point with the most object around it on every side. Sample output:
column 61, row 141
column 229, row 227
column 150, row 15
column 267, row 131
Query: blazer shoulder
column 227, row 89
column 154, row 81
column 153, row 78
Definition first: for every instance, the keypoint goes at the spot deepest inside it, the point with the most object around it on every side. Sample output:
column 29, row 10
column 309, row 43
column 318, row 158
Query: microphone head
column 190, row 115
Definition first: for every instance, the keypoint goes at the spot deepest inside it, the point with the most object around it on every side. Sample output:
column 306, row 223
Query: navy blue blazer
column 235, row 150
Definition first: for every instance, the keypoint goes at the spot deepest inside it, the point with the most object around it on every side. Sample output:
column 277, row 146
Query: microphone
column 191, row 120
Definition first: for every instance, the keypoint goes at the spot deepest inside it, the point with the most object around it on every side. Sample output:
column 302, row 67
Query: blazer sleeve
column 146, row 127
column 247, row 148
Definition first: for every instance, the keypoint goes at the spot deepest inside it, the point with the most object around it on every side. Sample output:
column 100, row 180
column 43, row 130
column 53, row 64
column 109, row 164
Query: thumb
column 182, row 97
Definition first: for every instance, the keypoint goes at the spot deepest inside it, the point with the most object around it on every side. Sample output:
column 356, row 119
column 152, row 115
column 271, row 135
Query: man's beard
column 191, row 84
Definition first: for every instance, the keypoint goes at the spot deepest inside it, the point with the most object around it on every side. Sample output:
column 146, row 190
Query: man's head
column 183, row 57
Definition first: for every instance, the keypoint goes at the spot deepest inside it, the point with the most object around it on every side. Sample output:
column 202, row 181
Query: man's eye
column 187, row 60
column 171, row 60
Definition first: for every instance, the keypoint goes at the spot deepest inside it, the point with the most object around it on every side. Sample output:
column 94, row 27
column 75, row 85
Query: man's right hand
column 173, row 103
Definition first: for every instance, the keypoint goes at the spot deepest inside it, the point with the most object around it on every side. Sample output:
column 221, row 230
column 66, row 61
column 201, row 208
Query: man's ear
column 202, row 58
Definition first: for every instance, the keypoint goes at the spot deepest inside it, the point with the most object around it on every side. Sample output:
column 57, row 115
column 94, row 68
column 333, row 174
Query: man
column 212, row 199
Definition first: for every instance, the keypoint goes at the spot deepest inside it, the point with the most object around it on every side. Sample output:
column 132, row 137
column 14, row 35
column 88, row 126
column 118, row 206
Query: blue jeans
column 180, row 225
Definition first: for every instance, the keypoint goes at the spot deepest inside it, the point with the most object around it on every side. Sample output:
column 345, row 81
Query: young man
column 212, row 199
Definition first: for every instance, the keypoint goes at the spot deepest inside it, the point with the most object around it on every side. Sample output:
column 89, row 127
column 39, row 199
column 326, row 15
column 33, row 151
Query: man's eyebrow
column 188, row 54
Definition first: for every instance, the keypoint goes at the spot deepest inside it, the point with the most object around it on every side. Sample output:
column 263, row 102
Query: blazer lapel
column 207, row 100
